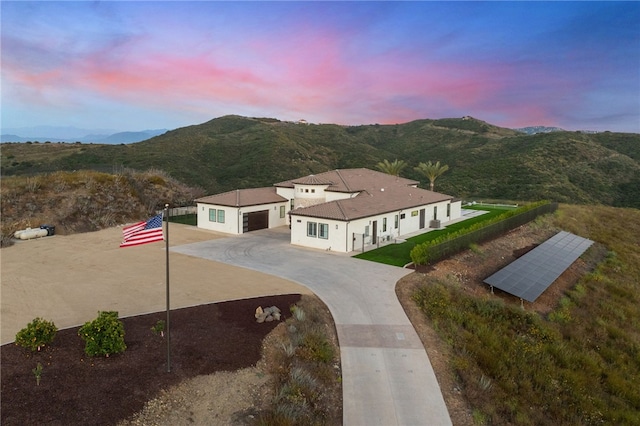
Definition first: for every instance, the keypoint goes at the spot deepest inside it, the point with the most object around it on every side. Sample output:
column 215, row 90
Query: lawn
column 399, row 254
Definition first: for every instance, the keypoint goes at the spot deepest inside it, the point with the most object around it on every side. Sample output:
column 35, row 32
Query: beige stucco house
column 339, row 210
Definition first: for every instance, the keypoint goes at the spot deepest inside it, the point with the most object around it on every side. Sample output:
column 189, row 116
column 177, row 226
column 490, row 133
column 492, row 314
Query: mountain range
column 74, row 134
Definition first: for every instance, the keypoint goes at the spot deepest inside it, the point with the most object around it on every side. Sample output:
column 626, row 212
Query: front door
column 374, row 232
column 422, row 219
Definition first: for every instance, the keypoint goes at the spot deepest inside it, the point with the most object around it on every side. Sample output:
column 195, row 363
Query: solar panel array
column 530, row 275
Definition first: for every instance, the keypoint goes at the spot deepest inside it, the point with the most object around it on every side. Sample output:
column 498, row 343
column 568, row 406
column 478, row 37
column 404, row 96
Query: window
column 221, row 216
column 323, row 232
column 212, row 215
column 402, row 216
column 435, row 212
column 384, row 224
column 414, row 213
column 313, row 191
column 312, row 229
column 366, row 231
column 282, row 210
column 306, row 190
column 448, row 210
column 395, row 220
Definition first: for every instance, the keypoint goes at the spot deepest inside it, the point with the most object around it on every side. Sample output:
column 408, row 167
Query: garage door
column 255, row 220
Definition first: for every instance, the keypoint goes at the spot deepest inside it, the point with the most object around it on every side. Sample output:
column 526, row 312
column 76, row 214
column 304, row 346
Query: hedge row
column 450, row 244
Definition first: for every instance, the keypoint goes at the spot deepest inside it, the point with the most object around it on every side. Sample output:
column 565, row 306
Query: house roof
column 244, row 197
column 372, row 203
column 373, row 193
column 311, row 180
column 351, row 180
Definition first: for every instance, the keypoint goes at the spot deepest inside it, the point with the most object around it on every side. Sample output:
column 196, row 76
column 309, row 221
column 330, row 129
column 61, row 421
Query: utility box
column 51, row 230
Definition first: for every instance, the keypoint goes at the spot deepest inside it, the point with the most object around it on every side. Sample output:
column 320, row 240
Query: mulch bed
column 76, row 389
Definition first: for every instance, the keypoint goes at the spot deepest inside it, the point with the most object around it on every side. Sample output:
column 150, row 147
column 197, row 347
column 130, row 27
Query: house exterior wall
column 287, row 193
column 341, row 234
column 437, row 211
column 309, row 195
column 233, row 216
column 230, row 224
column 333, row 196
column 335, row 233
column 456, row 210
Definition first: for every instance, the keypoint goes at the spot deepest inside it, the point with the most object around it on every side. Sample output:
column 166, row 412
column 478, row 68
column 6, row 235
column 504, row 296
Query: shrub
column 36, row 334
column 420, row 254
column 158, row 328
column 316, row 347
column 104, row 335
column 37, row 372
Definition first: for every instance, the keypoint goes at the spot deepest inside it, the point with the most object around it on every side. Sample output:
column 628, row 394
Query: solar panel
column 530, row 275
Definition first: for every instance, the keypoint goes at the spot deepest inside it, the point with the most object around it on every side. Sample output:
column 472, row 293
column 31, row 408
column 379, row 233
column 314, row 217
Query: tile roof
column 244, row 197
column 311, row 180
column 372, row 203
column 351, row 180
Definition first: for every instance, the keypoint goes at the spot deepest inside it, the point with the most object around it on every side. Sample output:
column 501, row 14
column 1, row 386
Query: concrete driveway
column 387, row 376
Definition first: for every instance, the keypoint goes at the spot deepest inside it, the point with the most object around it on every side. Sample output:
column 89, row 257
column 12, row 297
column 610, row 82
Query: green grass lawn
column 399, row 254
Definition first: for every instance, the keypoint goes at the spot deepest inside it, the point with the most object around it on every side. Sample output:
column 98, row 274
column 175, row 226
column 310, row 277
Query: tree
column 393, row 169
column 432, row 171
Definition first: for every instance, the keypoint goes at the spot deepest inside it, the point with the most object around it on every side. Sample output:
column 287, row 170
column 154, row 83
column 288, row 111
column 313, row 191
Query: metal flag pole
column 166, row 212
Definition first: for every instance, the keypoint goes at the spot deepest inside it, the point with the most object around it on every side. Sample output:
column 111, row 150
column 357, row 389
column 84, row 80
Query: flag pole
column 166, row 211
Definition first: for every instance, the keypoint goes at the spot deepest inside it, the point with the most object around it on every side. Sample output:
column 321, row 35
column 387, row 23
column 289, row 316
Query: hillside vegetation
column 572, row 359
column 485, row 161
column 86, row 201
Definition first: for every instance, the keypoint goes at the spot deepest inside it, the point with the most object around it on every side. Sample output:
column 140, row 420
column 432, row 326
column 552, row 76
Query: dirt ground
column 67, row 279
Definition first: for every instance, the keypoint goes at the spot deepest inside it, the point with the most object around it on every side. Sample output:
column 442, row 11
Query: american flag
column 143, row 232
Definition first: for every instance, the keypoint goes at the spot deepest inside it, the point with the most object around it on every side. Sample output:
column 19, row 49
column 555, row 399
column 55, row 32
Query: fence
column 181, row 211
column 456, row 245
column 362, row 242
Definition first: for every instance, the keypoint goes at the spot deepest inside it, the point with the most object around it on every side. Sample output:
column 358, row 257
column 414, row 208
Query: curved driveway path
column 386, row 374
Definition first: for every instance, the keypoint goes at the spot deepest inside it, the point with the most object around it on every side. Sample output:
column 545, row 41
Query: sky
column 129, row 65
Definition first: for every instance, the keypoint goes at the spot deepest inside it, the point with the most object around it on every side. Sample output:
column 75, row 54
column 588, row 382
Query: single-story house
column 337, row 210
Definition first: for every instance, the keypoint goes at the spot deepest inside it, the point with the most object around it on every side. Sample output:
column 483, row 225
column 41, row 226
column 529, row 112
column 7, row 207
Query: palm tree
column 393, row 169
column 431, row 171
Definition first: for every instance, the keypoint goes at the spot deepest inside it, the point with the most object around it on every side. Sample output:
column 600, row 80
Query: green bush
column 453, row 242
column 420, row 254
column 36, row 334
column 104, row 335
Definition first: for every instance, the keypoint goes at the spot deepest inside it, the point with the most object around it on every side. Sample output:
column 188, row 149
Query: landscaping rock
column 268, row 314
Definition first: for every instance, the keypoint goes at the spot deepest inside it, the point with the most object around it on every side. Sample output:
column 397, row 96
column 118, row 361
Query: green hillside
column 485, row 161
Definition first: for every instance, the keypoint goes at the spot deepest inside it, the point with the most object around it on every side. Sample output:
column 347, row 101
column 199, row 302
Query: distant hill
column 130, row 137
column 53, row 134
column 485, row 161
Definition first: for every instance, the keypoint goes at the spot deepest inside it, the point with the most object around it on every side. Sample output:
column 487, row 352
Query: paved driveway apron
column 387, row 378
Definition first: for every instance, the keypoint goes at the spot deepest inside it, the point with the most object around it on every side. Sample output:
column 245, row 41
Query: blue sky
column 154, row 64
